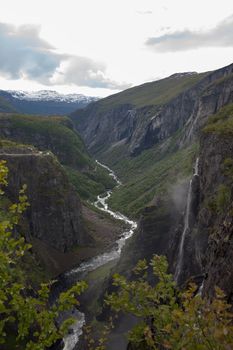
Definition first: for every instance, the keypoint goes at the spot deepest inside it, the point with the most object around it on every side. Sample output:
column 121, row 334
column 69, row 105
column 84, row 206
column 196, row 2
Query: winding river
column 90, row 265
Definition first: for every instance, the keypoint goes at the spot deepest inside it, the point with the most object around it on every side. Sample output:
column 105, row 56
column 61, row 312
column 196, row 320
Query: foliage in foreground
column 23, row 309
column 170, row 319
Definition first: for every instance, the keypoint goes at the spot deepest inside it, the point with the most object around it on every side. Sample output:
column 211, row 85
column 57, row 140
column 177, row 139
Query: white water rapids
column 101, row 203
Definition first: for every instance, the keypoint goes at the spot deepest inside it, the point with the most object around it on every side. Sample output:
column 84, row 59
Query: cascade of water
column 186, row 229
column 101, row 203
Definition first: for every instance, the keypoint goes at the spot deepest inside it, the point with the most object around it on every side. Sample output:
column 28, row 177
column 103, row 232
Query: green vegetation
column 222, row 198
column 53, row 133
column 228, row 168
column 169, row 318
column 5, row 106
column 221, row 201
column 57, row 135
column 146, row 179
column 89, row 184
column 153, row 93
column 26, row 319
column 221, row 123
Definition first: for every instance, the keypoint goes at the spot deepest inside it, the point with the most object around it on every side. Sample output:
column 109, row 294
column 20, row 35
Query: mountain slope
column 49, row 156
column 106, row 127
column 153, row 149
column 137, row 139
column 5, row 106
column 57, row 134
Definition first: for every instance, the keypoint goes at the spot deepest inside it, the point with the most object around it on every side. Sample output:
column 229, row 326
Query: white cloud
column 219, row 36
column 24, row 55
column 110, row 36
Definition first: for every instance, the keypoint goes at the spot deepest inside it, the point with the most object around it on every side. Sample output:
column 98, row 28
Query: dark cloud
column 24, row 55
column 220, row 36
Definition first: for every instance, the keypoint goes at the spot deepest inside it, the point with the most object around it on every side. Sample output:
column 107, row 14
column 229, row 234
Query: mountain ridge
column 43, row 102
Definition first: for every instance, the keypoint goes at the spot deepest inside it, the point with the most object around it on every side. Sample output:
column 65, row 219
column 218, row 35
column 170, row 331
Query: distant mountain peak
column 50, row 95
column 43, row 102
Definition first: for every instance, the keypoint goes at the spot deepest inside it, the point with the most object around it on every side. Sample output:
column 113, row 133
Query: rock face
column 216, row 224
column 54, row 215
column 141, row 128
column 208, row 242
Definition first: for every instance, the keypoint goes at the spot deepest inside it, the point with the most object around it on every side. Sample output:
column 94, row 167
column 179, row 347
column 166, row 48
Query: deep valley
column 162, row 185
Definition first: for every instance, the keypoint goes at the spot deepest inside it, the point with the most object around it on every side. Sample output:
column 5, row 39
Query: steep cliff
column 111, row 123
column 158, row 176
column 54, row 215
column 216, row 189
column 62, row 230
column 208, row 245
column 151, row 141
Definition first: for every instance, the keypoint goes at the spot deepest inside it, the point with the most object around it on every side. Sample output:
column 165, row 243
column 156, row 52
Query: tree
column 169, row 318
column 20, row 305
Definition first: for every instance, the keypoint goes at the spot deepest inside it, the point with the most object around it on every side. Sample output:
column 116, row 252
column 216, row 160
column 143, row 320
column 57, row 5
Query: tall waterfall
column 180, row 261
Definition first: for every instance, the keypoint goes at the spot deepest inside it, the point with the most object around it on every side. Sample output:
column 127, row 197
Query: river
column 90, row 265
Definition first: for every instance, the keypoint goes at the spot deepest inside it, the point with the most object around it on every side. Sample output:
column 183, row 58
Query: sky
column 100, row 47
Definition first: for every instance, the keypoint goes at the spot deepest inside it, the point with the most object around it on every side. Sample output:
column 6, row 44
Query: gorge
column 170, row 144
column 81, row 271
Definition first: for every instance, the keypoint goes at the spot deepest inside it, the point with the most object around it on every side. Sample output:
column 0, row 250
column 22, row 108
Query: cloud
column 220, row 36
column 84, row 71
column 146, row 12
column 24, row 55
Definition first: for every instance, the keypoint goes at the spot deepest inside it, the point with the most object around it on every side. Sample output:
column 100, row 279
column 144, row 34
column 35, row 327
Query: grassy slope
column 221, row 123
column 153, row 93
column 150, row 175
column 57, row 131
column 5, row 106
column 56, row 134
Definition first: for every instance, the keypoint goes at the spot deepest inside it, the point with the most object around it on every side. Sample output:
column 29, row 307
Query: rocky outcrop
column 54, row 215
column 208, row 246
column 216, row 222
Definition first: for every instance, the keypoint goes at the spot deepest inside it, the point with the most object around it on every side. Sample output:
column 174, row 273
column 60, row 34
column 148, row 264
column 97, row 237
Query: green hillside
column 5, row 106
column 56, row 134
column 152, row 93
column 145, row 180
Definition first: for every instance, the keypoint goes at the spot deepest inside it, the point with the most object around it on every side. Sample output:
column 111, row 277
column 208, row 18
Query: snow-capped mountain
column 45, row 102
column 50, row 95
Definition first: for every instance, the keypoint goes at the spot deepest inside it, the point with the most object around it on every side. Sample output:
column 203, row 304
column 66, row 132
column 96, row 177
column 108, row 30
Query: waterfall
column 180, row 261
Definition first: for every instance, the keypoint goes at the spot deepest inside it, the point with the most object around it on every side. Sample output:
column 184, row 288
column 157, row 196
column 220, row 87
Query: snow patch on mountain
column 50, row 95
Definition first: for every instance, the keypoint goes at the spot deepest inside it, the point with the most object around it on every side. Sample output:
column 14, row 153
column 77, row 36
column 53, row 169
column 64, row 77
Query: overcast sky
column 99, row 47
